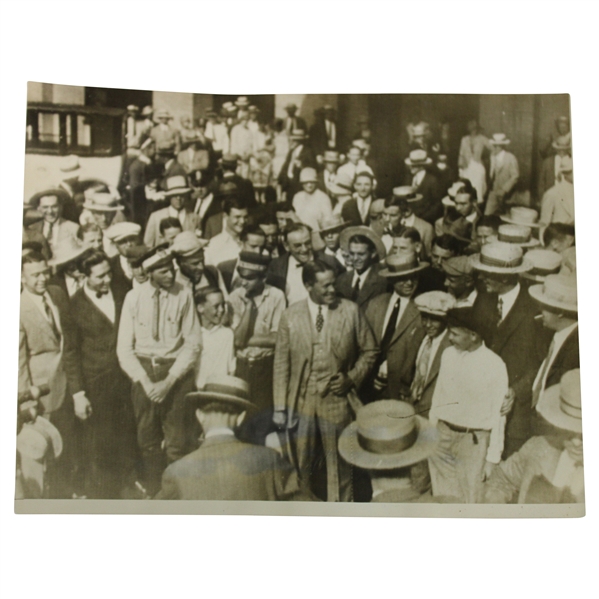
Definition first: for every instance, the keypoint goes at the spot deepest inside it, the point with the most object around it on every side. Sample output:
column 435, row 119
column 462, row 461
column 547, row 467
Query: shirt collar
column 561, row 336
column 362, row 277
column 219, row 432
column 211, row 331
column 409, row 221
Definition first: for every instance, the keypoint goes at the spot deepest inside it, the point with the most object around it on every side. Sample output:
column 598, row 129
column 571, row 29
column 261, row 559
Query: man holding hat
column 549, row 468
column 299, row 157
column 365, row 251
column 466, row 408
column 557, row 204
column 224, row 468
column 388, row 439
column 311, row 204
column 124, row 235
column 158, row 345
column 397, row 326
column 504, row 174
column 178, row 194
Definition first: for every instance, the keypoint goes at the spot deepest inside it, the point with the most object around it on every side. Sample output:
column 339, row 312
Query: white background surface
column 284, row 47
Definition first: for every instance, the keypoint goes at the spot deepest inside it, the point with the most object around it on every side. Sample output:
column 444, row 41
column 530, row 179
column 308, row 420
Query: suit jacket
column 66, row 229
column 152, row 236
column 506, row 176
column 429, row 208
column 213, row 225
column 424, row 404
column 276, row 275
column 245, row 187
column 227, row 270
column 41, row 351
column 350, row 212
column 427, row 233
column 568, row 358
column 30, row 234
column 351, row 340
column 546, row 177
column 120, row 282
column 198, row 161
column 291, row 184
column 401, row 356
column 224, row 468
column 430, row 279
column 319, row 140
column 373, row 285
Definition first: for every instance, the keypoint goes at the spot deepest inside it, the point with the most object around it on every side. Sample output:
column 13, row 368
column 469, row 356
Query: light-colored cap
column 121, row 231
column 308, row 175
column 435, row 302
column 188, row 244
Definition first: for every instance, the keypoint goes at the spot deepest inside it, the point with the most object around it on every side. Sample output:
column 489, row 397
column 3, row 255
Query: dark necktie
column 422, row 370
column 388, row 335
column 252, row 322
column 50, row 317
column 49, row 231
column 156, row 316
column 499, row 310
column 319, row 320
column 356, row 290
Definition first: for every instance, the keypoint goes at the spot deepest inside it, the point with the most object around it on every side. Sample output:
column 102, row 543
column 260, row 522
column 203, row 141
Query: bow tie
column 298, row 265
column 99, row 294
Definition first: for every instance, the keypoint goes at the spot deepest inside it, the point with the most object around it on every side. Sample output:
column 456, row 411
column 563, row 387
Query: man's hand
column 149, row 388
column 340, row 384
column 35, row 392
column 279, row 419
column 508, row 402
column 380, row 382
column 162, row 388
column 83, row 409
column 489, row 467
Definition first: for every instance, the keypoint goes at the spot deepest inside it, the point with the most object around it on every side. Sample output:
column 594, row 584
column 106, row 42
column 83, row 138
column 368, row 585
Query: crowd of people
column 244, row 317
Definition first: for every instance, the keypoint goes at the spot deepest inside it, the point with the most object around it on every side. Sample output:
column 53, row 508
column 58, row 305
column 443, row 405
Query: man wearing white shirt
column 227, row 244
column 557, row 204
column 466, row 409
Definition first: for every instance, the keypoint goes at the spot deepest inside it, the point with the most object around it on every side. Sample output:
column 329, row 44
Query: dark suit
column 429, row 208
column 224, row 468
column 291, row 185
column 350, row 212
column 319, row 139
column 297, row 122
column 120, row 282
column 372, row 286
column 403, row 349
column 215, row 207
column 245, row 188
column 430, row 279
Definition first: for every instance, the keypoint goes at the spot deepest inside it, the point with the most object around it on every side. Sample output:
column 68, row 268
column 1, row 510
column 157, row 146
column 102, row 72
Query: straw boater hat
column 402, row 265
column 133, row 108
column 544, row 262
column 121, row 231
column 560, row 404
column 158, row 259
column 331, row 156
column 436, row 303
column 176, row 185
column 501, row 258
column 298, row 135
column 101, row 201
column 242, row 102
column 521, row 215
column 228, row 389
column 308, row 175
column 69, row 164
column 563, row 142
column 499, row 139
column 557, row 292
column 34, row 200
column 407, row 193
column 387, row 435
column 518, row 235
column 348, row 233
column 188, row 244
column 68, row 250
column 333, row 224
column 418, row 158
column 452, row 192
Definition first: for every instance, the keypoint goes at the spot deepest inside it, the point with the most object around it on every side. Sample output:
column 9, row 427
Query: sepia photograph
column 318, row 298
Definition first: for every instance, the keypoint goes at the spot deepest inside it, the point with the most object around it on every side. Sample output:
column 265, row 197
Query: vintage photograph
column 357, row 298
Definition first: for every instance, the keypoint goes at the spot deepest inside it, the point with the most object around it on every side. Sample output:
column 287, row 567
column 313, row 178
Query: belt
column 157, row 360
column 465, row 430
column 156, row 368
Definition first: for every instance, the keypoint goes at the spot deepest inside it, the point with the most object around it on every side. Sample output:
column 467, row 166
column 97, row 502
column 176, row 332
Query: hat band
column 569, row 409
column 490, row 261
column 407, row 197
column 565, row 298
column 225, row 390
column 252, row 266
column 514, row 238
column 380, row 446
column 399, row 268
column 543, row 272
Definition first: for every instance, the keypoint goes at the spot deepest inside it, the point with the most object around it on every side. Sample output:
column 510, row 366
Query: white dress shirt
column 178, row 214
column 202, row 205
column 294, row 156
column 314, row 308
column 295, row 289
column 559, row 339
column 218, row 354
column 434, row 349
column 363, row 206
column 105, row 303
column 53, row 239
column 362, row 277
column 219, row 432
column 73, row 285
column 402, row 308
column 508, row 300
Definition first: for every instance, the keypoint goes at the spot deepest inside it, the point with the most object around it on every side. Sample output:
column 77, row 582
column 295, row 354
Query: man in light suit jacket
column 178, row 195
column 224, row 468
column 44, row 311
column 324, row 351
column 504, row 174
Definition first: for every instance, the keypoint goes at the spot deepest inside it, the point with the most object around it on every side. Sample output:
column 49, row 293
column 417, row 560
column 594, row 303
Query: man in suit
column 428, row 207
column 324, row 351
column 323, row 133
column 363, row 283
column 402, row 202
column 96, row 379
column 300, row 156
column 397, row 326
column 224, row 468
column 44, row 312
column 465, row 204
column 178, row 194
column 124, row 235
column 54, row 228
column 514, row 333
column 285, row 272
column 504, row 174
column 292, row 122
column 551, row 167
column 357, row 209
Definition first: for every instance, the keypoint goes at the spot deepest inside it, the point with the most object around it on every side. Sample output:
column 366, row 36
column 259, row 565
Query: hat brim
column 536, row 292
column 66, row 259
column 385, row 272
column 60, row 193
column 96, row 208
column 507, row 219
column 527, row 244
column 426, row 162
column 549, row 408
column 335, row 229
column 202, row 397
column 535, row 278
column 177, row 191
column 416, row 198
column 354, row 454
column 349, row 232
column 506, row 142
column 447, row 201
column 507, row 270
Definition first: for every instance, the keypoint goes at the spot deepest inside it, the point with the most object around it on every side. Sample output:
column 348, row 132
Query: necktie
column 536, row 392
column 50, row 317
column 356, row 290
column 99, row 294
column 422, row 370
column 499, row 310
column 49, row 231
column 319, row 320
column 388, row 335
column 252, row 323
column 156, row 316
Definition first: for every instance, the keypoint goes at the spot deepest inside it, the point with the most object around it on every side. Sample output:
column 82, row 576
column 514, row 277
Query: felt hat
column 418, row 158
column 331, row 156
column 228, row 389
column 66, row 251
column 158, row 259
column 448, row 200
column 469, row 318
column 176, row 185
column 187, row 243
column 387, row 435
column 402, row 265
column 544, row 262
column 563, row 142
column 458, row 266
column 566, row 165
column 518, row 235
column 407, row 193
column 298, row 135
column 560, row 404
column 557, row 292
column 147, row 111
column 253, row 261
column 69, row 164
column 121, row 231
column 521, row 215
column 499, row 139
column 101, row 200
column 242, row 102
column 501, row 258
column 349, row 232
column 308, row 175
column 436, row 303
column 333, row 224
